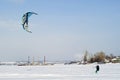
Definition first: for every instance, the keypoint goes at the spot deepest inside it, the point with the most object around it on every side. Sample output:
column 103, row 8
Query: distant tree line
column 100, row 57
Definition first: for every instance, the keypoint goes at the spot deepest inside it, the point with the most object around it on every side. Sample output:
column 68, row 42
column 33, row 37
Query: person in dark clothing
column 97, row 68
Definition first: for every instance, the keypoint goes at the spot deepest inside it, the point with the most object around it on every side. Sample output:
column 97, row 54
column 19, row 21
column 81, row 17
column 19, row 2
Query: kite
column 25, row 20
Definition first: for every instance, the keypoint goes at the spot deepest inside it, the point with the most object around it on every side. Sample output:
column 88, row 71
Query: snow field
column 60, row 72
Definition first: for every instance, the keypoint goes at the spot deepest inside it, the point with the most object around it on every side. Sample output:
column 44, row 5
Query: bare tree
column 100, row 57
column 85, row 56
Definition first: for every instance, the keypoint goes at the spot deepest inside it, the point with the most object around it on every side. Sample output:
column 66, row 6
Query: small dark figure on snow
column 97, row 68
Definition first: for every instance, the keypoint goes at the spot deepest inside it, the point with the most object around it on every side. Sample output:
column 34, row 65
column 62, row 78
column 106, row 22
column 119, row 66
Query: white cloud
column 7, row 23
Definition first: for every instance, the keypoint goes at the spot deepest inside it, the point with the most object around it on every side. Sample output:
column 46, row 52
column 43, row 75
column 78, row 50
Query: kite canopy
column 25, row 20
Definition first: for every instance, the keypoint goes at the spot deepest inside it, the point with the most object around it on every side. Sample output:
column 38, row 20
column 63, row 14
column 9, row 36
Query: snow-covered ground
column 60, row 72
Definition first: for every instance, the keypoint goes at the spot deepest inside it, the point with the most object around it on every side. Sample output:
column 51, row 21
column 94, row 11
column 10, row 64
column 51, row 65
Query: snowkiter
column 97, row 68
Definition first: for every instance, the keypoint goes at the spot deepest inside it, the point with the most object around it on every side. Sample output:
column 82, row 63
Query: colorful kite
column 25, row 20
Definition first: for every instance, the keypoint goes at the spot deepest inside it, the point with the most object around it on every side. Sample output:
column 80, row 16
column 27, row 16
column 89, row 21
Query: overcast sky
column 62, row 30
